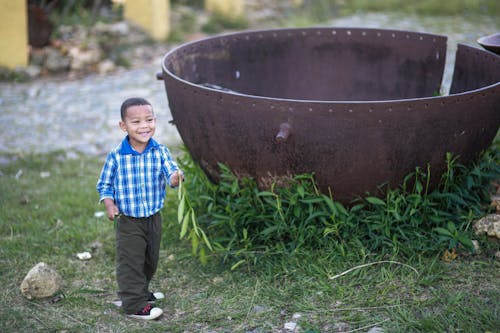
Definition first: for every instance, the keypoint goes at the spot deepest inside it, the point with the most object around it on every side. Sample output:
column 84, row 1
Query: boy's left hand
column 176, row 178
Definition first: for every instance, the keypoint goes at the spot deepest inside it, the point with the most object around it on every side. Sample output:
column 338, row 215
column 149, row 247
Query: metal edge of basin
column 351, row 146
column 490, row 42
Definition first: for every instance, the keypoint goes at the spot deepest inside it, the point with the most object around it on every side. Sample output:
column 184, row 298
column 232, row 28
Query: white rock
column 99, row 214
column 41, row 281
column 290, row 326
column 84, row 255
column 490, row 225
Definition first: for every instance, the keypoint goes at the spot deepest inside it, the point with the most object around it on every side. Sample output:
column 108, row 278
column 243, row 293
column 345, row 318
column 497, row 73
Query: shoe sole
column 153, row 314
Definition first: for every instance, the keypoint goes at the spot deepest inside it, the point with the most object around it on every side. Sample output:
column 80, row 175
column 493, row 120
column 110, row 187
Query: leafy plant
column 245, row 224
column 186, row 217
column 453, row 236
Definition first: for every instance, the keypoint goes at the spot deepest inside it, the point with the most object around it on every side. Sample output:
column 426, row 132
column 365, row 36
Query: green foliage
column 431, row 7
column 47, row 213
column 322, row 8
column 13, row 75
column 219, row 22
column 192, row 3
column 187, row 219
column 84, row 12
column 245, row 224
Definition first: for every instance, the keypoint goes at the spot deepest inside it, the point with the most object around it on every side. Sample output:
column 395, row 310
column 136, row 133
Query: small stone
column 477, row 248
column 106, row 66
column 375, row 329
column 40, row 282
column 490, row 225
column 84, row 255
column 290, row 326
column 99, row 214
column 55, row 61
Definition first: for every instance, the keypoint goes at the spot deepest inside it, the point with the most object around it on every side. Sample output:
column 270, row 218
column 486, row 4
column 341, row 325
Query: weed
column 245, row 223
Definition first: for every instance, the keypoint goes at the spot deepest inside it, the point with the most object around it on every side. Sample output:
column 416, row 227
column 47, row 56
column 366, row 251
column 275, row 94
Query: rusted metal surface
column 357, row 107
column 491, row 42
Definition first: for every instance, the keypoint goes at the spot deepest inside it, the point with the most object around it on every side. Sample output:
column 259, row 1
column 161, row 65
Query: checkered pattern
column 137, row 181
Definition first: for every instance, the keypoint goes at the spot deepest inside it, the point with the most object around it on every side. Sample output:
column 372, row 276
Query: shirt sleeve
column 105, row 183
column 168, row 165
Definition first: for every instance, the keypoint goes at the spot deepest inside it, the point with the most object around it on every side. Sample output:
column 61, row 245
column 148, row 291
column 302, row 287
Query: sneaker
column 148, row 313
column 155, row 296
column 152, row 298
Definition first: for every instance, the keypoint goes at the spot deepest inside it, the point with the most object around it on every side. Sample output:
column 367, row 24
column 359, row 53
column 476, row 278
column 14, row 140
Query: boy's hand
column 111, row 209
column 175, row 179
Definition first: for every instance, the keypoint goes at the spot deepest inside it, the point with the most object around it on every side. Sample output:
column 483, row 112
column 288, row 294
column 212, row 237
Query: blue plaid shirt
column 137, row 181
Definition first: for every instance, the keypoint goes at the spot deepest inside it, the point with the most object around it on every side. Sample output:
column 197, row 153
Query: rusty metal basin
column 491, row 42
column 357, row 107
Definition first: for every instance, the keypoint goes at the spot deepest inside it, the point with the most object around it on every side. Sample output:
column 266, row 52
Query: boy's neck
column 138, row 147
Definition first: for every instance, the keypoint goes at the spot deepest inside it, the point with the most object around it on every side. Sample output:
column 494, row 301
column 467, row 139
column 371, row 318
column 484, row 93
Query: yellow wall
column 13, row 33
column 150, row 15
column 229, row 8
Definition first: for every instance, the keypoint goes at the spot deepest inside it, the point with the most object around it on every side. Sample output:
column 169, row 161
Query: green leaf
column 205, row 239
column 375, row 201
column 266, row 194
column 242, row 261
column 451, row 227
column 300, row 190
column 180, row 190
column 203, row 256
column 466, row 242
column 185, row 224
column 193, row 221
column 341, row 208
column 180, row 209
column 443, row 231
column 195, row 241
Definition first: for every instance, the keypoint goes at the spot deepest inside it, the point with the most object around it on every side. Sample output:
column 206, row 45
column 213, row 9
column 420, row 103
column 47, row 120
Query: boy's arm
column 176, row 177
column 172, row 172
column 111, row 209
column 105, row 187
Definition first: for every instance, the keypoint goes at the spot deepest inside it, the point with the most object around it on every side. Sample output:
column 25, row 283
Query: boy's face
column 140, row 124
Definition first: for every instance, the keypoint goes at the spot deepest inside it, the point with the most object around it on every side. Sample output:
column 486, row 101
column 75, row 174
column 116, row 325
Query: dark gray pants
column 137, row 250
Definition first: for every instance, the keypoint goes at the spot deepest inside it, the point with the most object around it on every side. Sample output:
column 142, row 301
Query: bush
column 245, row 224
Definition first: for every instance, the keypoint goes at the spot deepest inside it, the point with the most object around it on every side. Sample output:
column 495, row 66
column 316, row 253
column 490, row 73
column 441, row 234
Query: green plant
column 219, row 22
column 189, row 226
column 451, row 235
column 246, row 224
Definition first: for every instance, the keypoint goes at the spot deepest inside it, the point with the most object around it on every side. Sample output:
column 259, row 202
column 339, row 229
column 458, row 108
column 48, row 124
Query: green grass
column 313, row 12
column 51, row 219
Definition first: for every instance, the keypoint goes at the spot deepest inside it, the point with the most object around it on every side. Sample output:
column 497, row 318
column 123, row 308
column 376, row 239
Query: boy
column 132, row 186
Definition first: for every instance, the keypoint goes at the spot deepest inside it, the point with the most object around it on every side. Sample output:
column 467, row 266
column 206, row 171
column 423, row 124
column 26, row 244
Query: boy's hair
column 132, row 102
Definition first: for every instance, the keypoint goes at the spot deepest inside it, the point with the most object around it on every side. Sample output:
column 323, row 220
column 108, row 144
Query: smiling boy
column 132, row 186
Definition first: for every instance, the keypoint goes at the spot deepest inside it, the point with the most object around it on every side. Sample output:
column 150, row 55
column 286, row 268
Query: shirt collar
column 126, row 148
